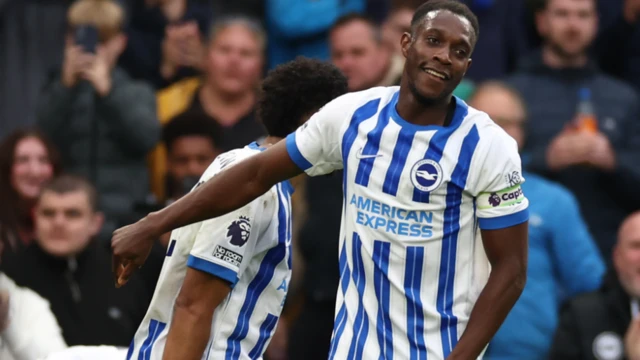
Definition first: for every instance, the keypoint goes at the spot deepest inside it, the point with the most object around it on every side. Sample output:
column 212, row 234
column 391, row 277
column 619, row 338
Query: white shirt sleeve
column 223, row 246
column 316, row 146
column 499, row 198
column 33, row 330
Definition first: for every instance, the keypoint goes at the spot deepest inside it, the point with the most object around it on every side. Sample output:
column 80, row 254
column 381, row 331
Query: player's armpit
column 506, row 249
column 189, row 333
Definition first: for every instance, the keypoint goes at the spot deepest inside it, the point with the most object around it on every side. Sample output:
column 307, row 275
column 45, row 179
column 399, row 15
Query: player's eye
column 432, row 40
column 461, row 53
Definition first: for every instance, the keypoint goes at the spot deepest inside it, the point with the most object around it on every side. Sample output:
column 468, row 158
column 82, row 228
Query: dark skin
column 200, row 294
column 442, row 43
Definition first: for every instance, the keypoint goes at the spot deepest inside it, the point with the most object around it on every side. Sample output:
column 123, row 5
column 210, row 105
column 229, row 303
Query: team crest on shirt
column 426, row 175
column 239, row 230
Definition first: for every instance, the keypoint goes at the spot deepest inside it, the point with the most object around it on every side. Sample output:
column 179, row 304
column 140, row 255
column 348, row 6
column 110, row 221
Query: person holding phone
column 103, row 122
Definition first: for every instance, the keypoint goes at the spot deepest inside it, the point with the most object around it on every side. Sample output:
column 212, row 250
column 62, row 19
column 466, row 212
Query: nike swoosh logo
column 359, row 155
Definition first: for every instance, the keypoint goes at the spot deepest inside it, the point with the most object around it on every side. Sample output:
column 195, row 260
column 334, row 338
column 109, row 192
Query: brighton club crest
column 426, row 175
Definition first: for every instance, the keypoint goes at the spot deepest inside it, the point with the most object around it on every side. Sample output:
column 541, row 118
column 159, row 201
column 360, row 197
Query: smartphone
column 87, row 37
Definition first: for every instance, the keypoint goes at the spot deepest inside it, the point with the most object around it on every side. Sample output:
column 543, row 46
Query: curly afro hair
column 293, row 91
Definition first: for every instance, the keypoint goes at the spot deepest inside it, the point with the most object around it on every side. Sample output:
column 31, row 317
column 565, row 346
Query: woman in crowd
column 27, row 161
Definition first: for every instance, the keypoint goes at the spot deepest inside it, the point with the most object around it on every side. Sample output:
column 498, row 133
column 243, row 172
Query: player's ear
column 405, row 42
column 468, row 65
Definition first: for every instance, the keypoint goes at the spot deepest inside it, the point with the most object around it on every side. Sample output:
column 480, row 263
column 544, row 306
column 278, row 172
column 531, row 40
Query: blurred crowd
column 110, row 109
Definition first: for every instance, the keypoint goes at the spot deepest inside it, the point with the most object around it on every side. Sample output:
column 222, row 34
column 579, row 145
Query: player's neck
column 417, row 112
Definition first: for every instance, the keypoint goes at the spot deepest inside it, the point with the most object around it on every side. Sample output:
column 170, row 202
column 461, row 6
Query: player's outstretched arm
column 225, row 192
column 507, row 252
column 190, row 328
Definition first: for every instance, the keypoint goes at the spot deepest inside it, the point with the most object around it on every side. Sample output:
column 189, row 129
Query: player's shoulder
column 228, row 159
column 490, row 133
column 352, row 101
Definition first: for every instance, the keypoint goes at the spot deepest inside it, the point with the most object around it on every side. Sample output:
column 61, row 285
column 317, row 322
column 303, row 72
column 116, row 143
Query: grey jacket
column 104, row 139
column 551, row 95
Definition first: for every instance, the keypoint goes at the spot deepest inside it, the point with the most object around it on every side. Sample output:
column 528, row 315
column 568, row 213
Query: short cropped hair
column 106, row 15
column 355, row 17
column 190, row 123
column 296, row 89
column 249, row 23
column 65, row 184
column 452, row 6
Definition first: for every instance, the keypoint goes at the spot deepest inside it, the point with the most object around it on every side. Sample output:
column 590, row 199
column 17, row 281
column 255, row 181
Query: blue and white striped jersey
column 251, row 249
column 412, row 264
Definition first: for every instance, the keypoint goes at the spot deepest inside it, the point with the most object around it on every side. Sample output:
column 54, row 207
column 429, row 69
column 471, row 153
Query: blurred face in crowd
column 503, row 107
column 398, row 23
column 65, row 223
column 626, row 255
column 31, row 169
column 190, row 156
column 568, row 26
column 234, row 60
column 358, row 52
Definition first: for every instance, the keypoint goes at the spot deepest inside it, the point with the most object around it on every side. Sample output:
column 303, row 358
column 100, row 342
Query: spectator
column 31, row 44
column 563, row 258
column 190, row 139
column 398, row 22
column 226, row 94
column 599, row 325
column 358, row 50
column 503, row 41
column 618, row 44
column 103, row 122
column 301, row 27
column 597, row 158
column 165, row 40
column 28, row 328
column 27, row 162
column 73, row 272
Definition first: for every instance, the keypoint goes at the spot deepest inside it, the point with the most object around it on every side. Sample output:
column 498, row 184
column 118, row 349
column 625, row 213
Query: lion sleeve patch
column 504, row 198
column 238, row 231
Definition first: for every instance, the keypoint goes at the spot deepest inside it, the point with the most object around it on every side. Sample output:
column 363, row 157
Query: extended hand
column 567, row 149
column 131, row 246
column 99, row 74
column 602, row 154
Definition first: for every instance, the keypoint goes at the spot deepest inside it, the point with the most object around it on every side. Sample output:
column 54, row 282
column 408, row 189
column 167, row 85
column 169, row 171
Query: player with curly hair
column 224, row 280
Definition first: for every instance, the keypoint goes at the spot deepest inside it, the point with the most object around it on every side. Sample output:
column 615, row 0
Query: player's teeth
column 435, row 74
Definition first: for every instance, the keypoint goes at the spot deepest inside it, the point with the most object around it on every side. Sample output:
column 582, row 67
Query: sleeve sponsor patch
column 228, row 256
column 498, row 199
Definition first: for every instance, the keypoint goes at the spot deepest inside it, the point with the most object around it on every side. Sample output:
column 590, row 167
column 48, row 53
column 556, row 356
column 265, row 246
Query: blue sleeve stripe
column 214, row 269
column 295, row 153
column 506, row 221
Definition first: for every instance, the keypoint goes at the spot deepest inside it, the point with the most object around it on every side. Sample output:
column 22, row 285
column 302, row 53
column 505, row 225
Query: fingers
column 125, row 273
column 116, row 268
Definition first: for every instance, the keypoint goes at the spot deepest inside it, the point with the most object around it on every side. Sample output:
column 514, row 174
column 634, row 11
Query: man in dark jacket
column 599, row 325
column 594, row 151
column 103, row 122
column 73, row 273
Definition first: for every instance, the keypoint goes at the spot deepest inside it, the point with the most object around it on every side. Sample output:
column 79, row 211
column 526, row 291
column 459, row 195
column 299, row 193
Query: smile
column 438, row 74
